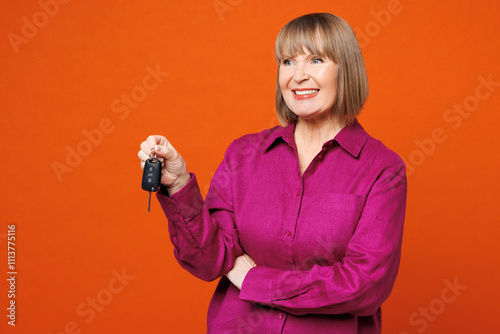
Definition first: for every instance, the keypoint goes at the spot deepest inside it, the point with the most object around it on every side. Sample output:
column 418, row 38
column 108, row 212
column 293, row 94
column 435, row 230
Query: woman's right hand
column 174, row 174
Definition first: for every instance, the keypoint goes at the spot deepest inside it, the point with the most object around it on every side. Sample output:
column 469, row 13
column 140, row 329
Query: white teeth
column 306, row 92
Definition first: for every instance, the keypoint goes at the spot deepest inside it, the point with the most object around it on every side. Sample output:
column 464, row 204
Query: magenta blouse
column 327, row 243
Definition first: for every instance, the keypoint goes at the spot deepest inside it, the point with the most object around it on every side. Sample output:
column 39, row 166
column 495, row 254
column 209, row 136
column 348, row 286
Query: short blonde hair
column 336, row 41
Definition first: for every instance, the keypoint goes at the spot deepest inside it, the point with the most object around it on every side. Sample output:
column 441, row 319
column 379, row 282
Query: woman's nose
column 301, row 72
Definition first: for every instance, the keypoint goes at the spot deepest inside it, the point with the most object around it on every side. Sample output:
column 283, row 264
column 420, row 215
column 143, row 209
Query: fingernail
column 158, row 148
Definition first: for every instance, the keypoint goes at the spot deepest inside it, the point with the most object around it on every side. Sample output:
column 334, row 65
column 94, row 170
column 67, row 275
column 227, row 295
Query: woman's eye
column 287, row 62
column 317, row 61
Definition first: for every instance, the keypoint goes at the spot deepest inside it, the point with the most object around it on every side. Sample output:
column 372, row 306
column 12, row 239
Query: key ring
column 152, row 152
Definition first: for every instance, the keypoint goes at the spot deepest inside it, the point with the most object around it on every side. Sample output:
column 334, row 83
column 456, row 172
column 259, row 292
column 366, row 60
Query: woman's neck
column 314, row 133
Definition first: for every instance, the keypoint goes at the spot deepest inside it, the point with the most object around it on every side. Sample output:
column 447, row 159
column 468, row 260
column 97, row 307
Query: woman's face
column 309, row 85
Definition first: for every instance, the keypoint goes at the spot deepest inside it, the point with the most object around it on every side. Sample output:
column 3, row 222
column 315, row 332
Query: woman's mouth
column 303, row 94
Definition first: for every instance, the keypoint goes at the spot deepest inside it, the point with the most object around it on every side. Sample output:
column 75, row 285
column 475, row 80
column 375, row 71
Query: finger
column 249, row 260
column 165, row 151
column 154, row 140
column 142, row 155
column 146, row 148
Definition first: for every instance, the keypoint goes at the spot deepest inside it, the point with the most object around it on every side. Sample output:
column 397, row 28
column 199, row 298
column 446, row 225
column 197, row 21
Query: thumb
column 167, row 152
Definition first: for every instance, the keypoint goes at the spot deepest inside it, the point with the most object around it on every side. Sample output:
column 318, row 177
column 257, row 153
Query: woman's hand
column 242, row 266
column 174, row 174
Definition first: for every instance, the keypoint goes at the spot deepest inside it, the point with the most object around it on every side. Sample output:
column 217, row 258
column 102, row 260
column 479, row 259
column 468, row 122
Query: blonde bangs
column 305, row 33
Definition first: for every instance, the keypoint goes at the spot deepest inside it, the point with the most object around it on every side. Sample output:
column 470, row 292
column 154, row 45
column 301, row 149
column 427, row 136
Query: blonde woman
column 303, row 222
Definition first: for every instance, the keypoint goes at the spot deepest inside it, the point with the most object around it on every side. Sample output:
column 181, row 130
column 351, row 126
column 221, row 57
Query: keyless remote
column 151, row 175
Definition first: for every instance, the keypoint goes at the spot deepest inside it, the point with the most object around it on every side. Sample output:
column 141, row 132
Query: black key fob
column 151, row 176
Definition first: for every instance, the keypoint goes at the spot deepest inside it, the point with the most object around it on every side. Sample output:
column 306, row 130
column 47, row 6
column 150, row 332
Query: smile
column 305, row 94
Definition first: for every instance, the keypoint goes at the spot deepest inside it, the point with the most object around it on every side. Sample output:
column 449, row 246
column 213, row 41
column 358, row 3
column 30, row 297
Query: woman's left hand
column 242, row 266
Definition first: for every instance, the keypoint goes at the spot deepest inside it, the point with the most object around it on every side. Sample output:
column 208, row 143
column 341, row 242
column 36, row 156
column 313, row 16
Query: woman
column 303, row 221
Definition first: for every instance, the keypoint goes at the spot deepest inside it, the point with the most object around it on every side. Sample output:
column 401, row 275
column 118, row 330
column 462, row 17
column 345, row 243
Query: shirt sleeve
column 363, row 280
column 203, row 232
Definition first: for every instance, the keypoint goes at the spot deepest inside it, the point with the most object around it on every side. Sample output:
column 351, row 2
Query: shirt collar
column 351, row 138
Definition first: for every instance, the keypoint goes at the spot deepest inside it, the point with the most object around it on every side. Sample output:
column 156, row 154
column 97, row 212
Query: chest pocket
column 326, row 225
column 343, row 212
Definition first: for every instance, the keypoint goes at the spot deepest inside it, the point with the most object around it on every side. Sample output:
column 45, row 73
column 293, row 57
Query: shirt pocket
column 341, row 212
column 326, row 225
column 343, row 202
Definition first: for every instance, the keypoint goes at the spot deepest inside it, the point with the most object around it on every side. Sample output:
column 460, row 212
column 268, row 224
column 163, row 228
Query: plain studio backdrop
column 85, row 82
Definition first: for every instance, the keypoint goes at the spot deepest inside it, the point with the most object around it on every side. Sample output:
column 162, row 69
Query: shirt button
column 298, row 193
column 280, row 315
column 288, row 233
column 171, row 205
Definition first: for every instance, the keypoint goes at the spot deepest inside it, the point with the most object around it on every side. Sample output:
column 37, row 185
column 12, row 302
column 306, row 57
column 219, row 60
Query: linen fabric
column 327, row 242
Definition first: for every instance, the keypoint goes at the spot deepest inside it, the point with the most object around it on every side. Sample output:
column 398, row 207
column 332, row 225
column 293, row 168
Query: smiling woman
column 321, row 39
column 303, row 222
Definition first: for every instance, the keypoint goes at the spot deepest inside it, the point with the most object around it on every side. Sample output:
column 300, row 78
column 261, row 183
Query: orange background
column 75, row 231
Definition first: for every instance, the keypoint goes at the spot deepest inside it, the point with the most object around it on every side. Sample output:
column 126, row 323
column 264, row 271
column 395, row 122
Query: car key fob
column 151, row 176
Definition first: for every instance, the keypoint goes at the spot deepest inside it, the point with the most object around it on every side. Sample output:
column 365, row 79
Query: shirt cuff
column 258, row 284
column 185, row 203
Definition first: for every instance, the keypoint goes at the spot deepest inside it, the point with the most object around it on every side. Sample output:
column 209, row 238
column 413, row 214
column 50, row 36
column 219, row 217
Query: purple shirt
column 327, row 243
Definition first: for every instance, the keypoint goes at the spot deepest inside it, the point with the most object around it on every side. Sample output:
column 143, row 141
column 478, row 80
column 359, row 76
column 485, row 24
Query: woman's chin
column 312, row 116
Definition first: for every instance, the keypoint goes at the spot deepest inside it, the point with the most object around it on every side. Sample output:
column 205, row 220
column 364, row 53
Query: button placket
column 287, row 232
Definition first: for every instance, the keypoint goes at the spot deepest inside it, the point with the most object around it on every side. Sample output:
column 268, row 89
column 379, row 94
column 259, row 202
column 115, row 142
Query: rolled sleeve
column 187, row 202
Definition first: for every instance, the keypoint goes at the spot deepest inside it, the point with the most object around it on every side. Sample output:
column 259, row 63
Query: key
column 151, row 176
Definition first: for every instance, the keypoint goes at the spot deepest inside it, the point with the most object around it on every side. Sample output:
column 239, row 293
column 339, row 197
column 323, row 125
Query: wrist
column 179, row 184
